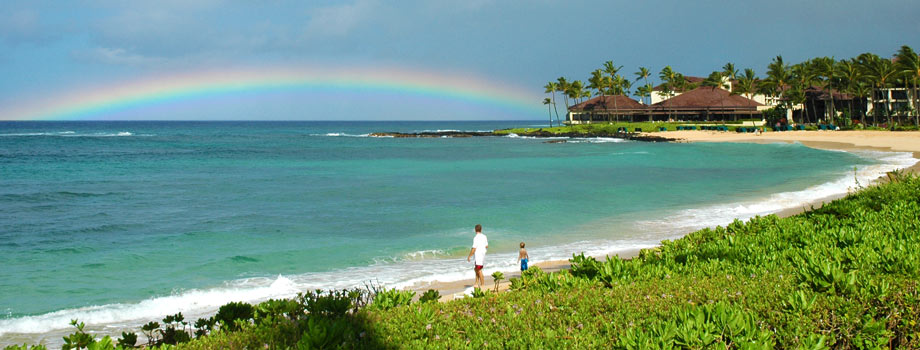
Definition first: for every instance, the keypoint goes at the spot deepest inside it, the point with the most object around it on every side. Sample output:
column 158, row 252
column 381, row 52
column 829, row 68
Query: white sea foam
column 722, row 214
column 598, row 140
column 417, row 267
column 451, row 130
column 74, row 134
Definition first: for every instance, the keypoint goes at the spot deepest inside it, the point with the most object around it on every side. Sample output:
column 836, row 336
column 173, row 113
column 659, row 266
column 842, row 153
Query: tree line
column 862, row 79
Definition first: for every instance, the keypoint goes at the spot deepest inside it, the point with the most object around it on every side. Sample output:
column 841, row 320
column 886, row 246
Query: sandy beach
column 908, row 141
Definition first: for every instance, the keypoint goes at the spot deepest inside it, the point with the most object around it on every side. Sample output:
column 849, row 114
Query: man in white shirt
column 480, row 245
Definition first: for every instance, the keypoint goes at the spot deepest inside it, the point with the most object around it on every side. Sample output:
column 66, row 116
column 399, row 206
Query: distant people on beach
column 522, row 256
column 480, row 245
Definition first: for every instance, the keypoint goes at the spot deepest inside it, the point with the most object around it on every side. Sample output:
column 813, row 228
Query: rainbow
column 105, row 101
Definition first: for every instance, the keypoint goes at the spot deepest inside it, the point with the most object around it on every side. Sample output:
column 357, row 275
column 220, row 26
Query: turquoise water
column 123, row 222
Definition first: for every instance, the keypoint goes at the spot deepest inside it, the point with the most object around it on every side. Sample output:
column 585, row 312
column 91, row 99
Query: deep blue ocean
column 120, row 223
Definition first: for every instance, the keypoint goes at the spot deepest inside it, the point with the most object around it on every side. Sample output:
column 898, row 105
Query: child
column 522, row 256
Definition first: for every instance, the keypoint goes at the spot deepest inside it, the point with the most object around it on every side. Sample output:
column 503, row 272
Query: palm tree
column 643, row 74
column 795, row 94
column 880, row 72
column 729, row 71
column 862, row 90
column 548, row 102
column 714, row 80
column 576, row 90
column 614, row 84
column 562, row 86
column 826, row 69
column 909, row 67
column 848, row 75
column 584, row 94
column 644, row 91
column 803, row 77
column 747, row 84
column 551, row 87
column 598, row 82
column 668, row 77
column 777, row 80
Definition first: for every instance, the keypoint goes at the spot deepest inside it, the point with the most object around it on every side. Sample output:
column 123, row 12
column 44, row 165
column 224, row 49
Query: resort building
column 659, row 92
column 707, row 104
column 606, row 108
column 692, row 102
column 699, row 104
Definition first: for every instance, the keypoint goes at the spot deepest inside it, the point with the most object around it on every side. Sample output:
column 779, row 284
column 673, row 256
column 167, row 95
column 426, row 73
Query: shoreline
column 838, row 141
column 846, row 141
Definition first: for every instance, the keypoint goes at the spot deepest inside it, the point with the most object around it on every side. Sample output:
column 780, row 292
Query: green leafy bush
column 390, row 298
column 229, row 313
column 430, row 295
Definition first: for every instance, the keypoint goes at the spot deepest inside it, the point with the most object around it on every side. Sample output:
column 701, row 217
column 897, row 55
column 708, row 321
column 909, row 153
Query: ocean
column 121, row 223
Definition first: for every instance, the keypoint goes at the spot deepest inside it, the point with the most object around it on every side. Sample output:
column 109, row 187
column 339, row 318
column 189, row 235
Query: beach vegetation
column 430, row 295
column 389, row 298
column 497, row 276
column 127, row 340
column 230, row 315
column 25, row 347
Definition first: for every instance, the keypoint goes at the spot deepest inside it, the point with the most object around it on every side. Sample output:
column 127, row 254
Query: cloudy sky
column 53, row 49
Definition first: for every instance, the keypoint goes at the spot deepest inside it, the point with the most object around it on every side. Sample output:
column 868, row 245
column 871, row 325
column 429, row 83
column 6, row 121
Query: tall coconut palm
column 729, row 71
column 668, row 78
column 777, row 80
column 578, row 90
column 562, row 84
column 598, row 82
column 551, row 88
column 908, row 66
column 747, row 84
column 803, row 77
column 549, row 110
column 881, row 73
column 825, row 68
column 621, row 85
column 585, row 94
column 795, row 95
column 643, row 74
column 643, row 92
column 850, row 76
column 614, row 84
column 862, row 89
column 714, row 81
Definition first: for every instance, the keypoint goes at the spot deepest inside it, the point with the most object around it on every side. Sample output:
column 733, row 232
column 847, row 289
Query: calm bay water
column 124, row 222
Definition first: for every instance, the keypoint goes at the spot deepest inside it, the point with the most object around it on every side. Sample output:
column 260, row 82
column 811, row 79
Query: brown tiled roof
column 705, row 97
column 688, row 79
column 819, row 93
column 600, row 103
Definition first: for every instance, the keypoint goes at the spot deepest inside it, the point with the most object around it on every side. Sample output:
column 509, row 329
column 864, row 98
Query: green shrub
column 229, row 313
column 430, row 295
column 390, row 298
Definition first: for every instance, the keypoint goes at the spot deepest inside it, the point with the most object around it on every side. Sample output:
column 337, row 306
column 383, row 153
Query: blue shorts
column 523, row 264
